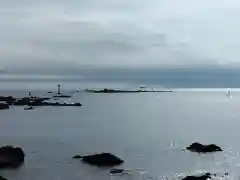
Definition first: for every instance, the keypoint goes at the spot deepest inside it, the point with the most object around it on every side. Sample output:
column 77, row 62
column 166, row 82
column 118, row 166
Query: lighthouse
column 59, row 91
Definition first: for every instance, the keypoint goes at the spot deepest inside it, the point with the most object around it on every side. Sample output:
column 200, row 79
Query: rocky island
column 100, row 160
column 123, row 91
column 200, row 148
column 30, row 101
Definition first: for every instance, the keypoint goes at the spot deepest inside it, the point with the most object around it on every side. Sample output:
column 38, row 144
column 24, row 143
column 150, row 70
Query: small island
column 123, row 91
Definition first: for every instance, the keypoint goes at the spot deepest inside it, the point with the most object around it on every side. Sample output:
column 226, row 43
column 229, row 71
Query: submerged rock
column 11, row 157
column 116, row 171
column 28, row 108
column 201, row 177
column 103, row 159
column 197, row 147
column 4, row 106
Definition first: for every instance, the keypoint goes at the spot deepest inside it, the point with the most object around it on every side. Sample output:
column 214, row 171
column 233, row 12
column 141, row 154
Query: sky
column 136, row 33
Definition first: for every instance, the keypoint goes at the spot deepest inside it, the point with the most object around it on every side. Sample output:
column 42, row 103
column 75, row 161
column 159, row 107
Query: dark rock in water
column 116, row 171
column 77, row 157
column 202, row 177
column 103, row 159
column 11, row 157
column 29, row 101
column 62, row 96
column 208, row 174
column 2, row 178
column 8, row 99
column 36, row 101
column 197, row 147
column 4, row 106
column 226, row 173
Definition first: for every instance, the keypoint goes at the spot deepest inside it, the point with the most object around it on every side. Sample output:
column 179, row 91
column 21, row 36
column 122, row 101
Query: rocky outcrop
column 77, row 157
column 35, row 101
column 103, row 159
column 4, row 106
column 199, row 148
column 26, row 101
column 11, row 157
column 2, row 178
column 8, row 99
column 201, row 177
column 116, row 171
column 31, row 101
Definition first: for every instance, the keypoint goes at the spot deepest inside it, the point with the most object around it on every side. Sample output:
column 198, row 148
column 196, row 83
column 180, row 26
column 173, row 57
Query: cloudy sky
column 119, row 32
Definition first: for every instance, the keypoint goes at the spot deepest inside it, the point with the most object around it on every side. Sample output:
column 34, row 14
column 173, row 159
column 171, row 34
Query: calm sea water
column 148, row 131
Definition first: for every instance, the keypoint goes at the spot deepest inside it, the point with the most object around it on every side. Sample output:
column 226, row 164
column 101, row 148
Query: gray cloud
column 114, row 32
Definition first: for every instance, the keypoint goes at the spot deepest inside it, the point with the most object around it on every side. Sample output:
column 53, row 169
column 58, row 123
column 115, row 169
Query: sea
column 149, row 131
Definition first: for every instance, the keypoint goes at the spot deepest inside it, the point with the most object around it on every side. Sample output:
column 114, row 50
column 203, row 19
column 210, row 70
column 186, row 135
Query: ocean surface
column 148, row 131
